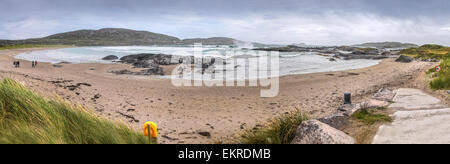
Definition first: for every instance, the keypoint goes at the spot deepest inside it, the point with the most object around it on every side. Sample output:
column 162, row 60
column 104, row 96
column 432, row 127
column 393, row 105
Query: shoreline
column 167, row 68
column 183, row 112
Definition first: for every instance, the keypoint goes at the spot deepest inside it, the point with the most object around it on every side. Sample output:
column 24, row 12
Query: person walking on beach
column 32, row 64
column 16, row 64
column 35, row 63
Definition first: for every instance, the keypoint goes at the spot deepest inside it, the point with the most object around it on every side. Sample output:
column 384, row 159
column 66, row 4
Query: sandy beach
column 182, row 112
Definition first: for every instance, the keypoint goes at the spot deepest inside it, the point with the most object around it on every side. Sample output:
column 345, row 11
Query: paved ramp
column 422, row 119
column 413, row 99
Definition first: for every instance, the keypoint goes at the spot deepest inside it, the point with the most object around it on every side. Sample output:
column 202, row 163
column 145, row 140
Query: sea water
column 289, row 62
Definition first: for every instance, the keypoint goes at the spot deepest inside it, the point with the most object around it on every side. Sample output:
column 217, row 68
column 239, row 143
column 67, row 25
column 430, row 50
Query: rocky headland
column 342, row 52
column 152, row 63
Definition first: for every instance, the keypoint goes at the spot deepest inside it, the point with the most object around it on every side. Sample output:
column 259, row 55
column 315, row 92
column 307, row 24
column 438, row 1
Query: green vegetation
column 428, row 51
column 370, row 117
column 28, row 118
column 280, row 131
column 441, row 80
column 19, row 46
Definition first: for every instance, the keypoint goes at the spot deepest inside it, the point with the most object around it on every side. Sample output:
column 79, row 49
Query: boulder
column 337, row 120
column 146, row 72
column 348, row 109
column 384, row 95
column 110, row 57
column 340, row 118
column 448, row 91
column 152, row 71
column 57, row 65
column 390, row 53
column 316, row 132
column 148, row 60
column 404, row 59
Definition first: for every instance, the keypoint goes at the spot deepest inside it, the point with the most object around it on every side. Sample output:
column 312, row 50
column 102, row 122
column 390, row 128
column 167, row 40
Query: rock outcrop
column 153, row 62
column 110, row 57
column 344, row 52
column 340, row 118
column 404, row 59
column 316, row 132
column 146, row 72
column 149, row 60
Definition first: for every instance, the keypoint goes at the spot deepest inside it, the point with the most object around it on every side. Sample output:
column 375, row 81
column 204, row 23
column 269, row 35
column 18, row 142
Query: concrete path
column 421, row 119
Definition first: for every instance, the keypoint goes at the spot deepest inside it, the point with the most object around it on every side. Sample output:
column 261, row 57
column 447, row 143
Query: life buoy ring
column 153, row 129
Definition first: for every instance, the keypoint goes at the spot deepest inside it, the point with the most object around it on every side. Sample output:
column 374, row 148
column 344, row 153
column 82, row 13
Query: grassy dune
column 441, row 80
column 429, row 51
column 26, row 118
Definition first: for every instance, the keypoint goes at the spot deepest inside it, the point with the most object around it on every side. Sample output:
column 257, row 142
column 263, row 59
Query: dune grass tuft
column 26, row 118
column 441, row 79
column 369, row 117
column 279, row 131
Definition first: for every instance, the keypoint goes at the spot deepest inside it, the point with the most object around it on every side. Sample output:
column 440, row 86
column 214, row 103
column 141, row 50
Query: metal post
column 347, row 98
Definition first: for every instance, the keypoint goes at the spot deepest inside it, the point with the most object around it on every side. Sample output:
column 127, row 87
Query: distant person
column 35, row 63
column 32, row 64
column 14, row 63
column 18, row 64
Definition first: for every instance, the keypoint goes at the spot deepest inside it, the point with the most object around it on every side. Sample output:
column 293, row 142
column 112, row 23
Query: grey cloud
column 233, row 18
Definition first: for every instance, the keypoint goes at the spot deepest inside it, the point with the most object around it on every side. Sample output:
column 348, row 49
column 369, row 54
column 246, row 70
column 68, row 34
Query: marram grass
column 281, row 130
column 26, row 118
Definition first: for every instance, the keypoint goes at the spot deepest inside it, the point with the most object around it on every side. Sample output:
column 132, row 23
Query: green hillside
column 441, row 80
column 117, row 37
column 388, row 45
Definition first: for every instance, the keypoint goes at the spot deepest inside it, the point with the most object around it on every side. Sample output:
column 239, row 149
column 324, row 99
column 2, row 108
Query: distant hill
column 102, row 37
column 211, row 41
column 119, row 37
column 388, row 45
column 112, row 36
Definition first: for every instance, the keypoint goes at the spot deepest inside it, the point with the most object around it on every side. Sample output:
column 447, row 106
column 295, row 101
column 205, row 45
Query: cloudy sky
column 318, row 22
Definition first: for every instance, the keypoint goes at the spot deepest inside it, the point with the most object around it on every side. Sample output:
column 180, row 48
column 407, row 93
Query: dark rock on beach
column 344, row 52
column 110, row 57
column 152, row 71
column 206, row 134
column 146, row 60
column 154, row 61
column 404, row 59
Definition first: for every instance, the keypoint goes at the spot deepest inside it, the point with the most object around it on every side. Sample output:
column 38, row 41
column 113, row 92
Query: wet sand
column 182, row 112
